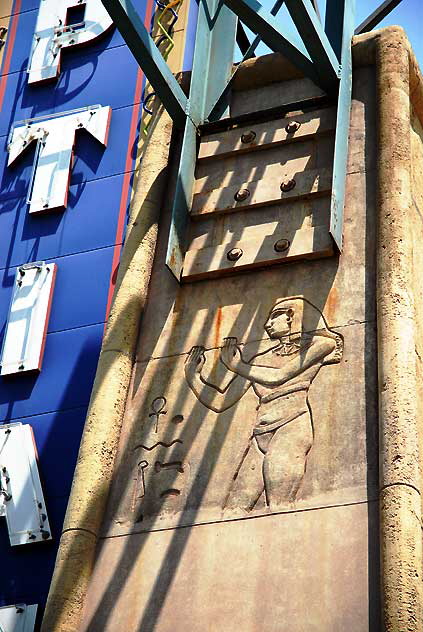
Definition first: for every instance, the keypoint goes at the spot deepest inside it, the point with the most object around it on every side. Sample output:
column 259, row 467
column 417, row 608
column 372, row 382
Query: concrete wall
column 190, row 543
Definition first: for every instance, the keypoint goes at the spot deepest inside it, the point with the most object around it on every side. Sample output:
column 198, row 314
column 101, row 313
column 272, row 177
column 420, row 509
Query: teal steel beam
column 149, row 58
column 241, row 39
column 222, row 102
column 377, row 16
column 211, row 70
column 256, row 41
column 316, row 41
column 342, row 127
column 316, row 8
column 266, row 26
column 334, row 24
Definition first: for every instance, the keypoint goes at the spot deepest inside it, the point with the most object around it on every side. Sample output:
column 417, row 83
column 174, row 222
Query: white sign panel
column 26, row 328
column 53, row 34
column 22, row 500
column 18, row 618
column 55, row 139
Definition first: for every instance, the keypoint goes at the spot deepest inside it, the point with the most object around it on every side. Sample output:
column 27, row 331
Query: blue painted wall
column 82, row 240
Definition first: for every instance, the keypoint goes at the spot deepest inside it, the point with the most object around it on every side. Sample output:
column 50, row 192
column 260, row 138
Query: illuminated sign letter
column 52, row 34
column 21, row 495
column 55, row 138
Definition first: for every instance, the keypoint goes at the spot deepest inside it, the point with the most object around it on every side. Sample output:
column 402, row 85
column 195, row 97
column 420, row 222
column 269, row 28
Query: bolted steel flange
column 288, row 185
column 292, row 127
column 248, row 137
column 281, row 245
column 234, row 254
column 241, row 195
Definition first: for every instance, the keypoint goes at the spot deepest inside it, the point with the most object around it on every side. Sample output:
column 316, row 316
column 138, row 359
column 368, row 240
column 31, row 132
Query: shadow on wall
column 166, row 573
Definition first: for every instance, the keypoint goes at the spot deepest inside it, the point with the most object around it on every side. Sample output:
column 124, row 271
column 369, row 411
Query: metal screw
column 281, row 245
column 248, row 137
column 292, row 127
column 234, row 254
column 288, row 185
column 242, row 195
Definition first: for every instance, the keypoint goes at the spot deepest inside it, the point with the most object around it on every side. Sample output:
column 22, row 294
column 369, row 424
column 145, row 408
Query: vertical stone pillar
column 93, row 474
column 400, row 477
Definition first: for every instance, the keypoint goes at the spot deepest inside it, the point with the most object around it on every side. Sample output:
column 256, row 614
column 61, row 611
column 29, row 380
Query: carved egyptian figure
column 275, row 458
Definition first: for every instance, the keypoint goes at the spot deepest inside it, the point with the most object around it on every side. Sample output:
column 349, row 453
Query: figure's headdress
column 306, row 318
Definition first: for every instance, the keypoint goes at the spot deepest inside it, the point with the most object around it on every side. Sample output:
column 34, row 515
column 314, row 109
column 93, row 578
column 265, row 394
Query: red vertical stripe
column 128, row 174
column 10, row 42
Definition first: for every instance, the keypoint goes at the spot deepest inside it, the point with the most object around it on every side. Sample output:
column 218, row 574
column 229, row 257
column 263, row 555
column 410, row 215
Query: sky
column 408, row 14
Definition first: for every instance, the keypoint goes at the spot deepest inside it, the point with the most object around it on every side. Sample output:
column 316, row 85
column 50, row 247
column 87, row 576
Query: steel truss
column 322, row 53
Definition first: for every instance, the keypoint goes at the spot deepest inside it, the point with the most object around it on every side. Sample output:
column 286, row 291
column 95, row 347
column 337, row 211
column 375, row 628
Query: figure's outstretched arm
column 268, row 376
column 207, row 394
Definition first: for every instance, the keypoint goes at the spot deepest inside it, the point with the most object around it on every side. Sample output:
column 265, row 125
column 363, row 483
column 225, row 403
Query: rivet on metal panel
column 234, row 254
column 287, row 185
column 292, row 127
column 281, row 245
column 248, row 137
column 242, row 195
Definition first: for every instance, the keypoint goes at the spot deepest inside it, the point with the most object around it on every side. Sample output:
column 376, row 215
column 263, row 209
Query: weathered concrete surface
column 298, row 572
column 178, row 460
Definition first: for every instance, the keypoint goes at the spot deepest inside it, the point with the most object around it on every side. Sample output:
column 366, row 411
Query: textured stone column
column 94, row 468
column 400, row 477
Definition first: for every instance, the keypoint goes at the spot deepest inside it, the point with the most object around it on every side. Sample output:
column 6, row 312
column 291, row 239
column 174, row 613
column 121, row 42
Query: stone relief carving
column 157, row 406
column 275, row 458
column 158, row 474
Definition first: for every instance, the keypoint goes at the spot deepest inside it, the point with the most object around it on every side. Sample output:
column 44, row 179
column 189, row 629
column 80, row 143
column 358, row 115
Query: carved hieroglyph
column 275, row 458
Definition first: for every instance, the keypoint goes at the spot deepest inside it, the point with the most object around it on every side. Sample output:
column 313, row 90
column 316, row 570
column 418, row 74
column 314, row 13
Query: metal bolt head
column 288, row 185
column 292, row 127
column 248, row 137
column 281, row 245
column 234, row 254
column 242, row 195
column 21, row 367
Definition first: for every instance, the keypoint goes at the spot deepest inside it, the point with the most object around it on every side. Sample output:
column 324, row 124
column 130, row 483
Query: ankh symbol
column 157, row 406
